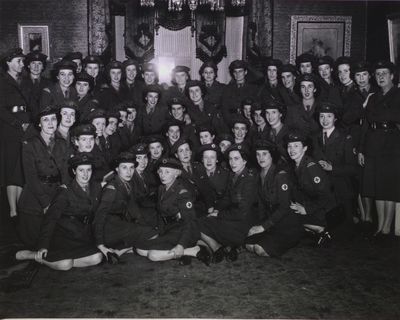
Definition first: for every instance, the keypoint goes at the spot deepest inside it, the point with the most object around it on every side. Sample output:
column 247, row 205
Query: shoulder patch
column 189, row 205
column 110, row 186
column 310, row 164
column 284, row 187
column 317, row 179
column 47, row 90
column 183, row 191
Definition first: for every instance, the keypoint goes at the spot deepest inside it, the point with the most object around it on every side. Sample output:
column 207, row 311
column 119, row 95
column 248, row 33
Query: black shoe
column 218, row 255
column 185, row 261
column 112, row 258
column 324, row 239
column 232, row 255
column 204, row 256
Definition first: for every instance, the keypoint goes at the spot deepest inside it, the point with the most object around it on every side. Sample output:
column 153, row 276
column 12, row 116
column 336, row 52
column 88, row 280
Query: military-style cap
column 125, row 157
column 264, row 144
column 70, row 104
column 47, row 110
column 179, row 143
column 257, row 106
column 239, row 119
column 208, row 147
column 205, row 128
column 112, row 114
column 113, row 65
column 247, row 102
column 35, row 56
column 149, row 67
column 305, row 57
column 308, row 77
column 237, row 64
column 243, row 150
column 181, row 69
column 208, row 64
column 327, row 107
column 81, row 158
column 289, row 68
column 384, row 64
column 65, row 64
column 274, row 104
column 84, row 130
column 273, row 62
column 130, row 62
column 92, row 59
column 11, row 54
column 343, row 60
column 170, row 163
column 361, row 66
column 73, row 56
column 84, row 77
column 176, row 100
column 151, row 88
column 154, row 138
column 96, row 113
column 225, row 137
column 296, row 136
column 173, row 122
column 326, row 60
column 140, row 148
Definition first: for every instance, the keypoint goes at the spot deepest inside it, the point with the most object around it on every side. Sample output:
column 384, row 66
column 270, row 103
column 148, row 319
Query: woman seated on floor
column 229, row 223
column 66, row 239
column 280, row 228
column 177, row 220
column 115, row 224
column 313, row 196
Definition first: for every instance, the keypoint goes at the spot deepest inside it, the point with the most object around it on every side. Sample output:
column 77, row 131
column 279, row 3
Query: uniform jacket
column 33, row 92
column 154, row 122
column 305, row 121
column 214, row 93
column 44, row 171
column 70, row 201
column 109, row 97
column 53, row 96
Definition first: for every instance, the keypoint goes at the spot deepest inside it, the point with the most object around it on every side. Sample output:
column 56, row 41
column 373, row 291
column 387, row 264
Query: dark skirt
column 11, row 163
column 71, row 239
column 381, row 178
column 225, row 232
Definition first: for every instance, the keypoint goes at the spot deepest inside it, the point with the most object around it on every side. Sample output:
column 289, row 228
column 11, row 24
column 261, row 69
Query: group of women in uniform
column 99, row 164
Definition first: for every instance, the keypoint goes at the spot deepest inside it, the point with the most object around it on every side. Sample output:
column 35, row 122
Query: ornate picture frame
column 320, row 35
column 394, row 37
column 34, row 37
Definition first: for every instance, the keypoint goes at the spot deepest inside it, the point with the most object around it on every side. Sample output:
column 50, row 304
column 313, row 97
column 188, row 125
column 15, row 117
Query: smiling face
column 236, row 162
column 142, row 161
column 184, row 154
column 274, row 117
column 92, row 69
column 307, row 89
column 180, row 78
column 48, row 124
column 67, row 117
column 258, row 118
column 296, row 150
column 239, row 131
column 149, row 77
column 65, row 77
column 16, row 65
column 325, row 71
column 344, row 73
column 272, row 73
column 82, row 87
column 111, row 126
column 327, row 120
column 305, row 67
column 36, row 67
column 288, row 80
column 125, row 171
column 173, row 134
column 195, row 94
column 210, row 160
column 168, row 175
column 100, row 124
column 155, row 150
column 206, row 137
column 177, row 111
column 84, row 143
column 152, row 99
column 83, row 173
column 131, row 73
column 115, row 76
column 264, row 158
column 131, row 114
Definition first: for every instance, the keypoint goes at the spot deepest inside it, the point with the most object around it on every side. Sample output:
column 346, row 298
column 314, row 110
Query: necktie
column 325, row 138
column 364, row 93
column 308, row 108
column 235, row 177
column 19, row 79
column 66, row 94
column 35, row 82
column 52, row 143
column 273, row 135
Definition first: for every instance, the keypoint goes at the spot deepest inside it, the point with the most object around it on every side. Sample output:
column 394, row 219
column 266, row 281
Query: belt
column 50, row 179
column 82, row 219
column 16, row 109
column 385, row 125
column 171, row 219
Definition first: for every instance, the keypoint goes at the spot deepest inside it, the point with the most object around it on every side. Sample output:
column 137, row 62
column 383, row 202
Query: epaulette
column 47, row 90
column 110, row 186
column 63, row 186
column 183, row 191
column 310, row 164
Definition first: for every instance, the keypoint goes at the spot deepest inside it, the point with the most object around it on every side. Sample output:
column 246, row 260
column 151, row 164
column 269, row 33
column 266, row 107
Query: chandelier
column 176, row 5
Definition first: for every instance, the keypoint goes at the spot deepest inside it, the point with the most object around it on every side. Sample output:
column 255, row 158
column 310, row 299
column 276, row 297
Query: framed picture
column 394, row 37
column 320, row 36
column 33, row 37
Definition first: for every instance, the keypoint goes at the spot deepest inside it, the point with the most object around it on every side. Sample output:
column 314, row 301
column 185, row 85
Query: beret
column 84, row 130
column 308, row 77
column 113, row 65
column 173, row 122
column 154, row 138
column 275, row 104
column 170, row 163
column 70, row 104
column 81, row 158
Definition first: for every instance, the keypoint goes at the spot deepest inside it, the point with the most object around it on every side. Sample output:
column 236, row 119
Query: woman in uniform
column 280, row 228
column 44, row 160
column 234, row 214
column 313, row 197
column 380, row 147
column 65, row 237
column 14, row 122
column 68, row 118
column 116, row 227
column 177, row 220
